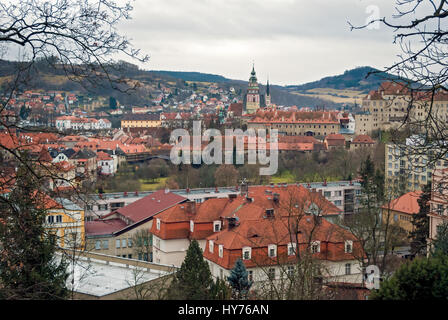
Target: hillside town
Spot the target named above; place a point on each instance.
(121, 181)
(246, 221)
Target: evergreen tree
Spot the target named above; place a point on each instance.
(440, 244)
(113, 103)
(193, 281)
(419, 279)
(420, 223)
(239, 281)
(29, 268)
(220, 290)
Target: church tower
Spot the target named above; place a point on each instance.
(253, 94)
(268, 95)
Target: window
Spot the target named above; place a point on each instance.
(272, 250)
(221, 273)
(216, 226)
(50, 219)
(98, 244)
(123, 243)
(348, 246)
(117, 243)
(315, 247)
(247, 251)
(129, 256)
(291, 249)
(290, 270)
(105, 244)
(395, 217)
(221, 250)
(129, 243)
(348, 268)
(338, 193)
(271, 273)
(145, 257)
(58, 218)
(250, 275)
(158, 224)
(327, 194)
(191, 225)
(338, 202)
(210, 246)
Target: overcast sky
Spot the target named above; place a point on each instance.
(292, 41)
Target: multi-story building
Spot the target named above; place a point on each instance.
(400, 211)
(411, 163)
(65, 219)
(439, 202)
(114, 233)
(394, 103)
(298, 123)
(253, 225)
(148, 120)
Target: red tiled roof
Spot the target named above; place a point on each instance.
(363, 139)
(407, 203)
(103, 227)
(150, 205)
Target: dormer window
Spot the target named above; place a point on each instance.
(158, 224)
(221, 250)
(272, 250)
(216, 226)
(247, 253)
(191, 225)
(210, 246)
(348, 246)
(315, 247)
(291, 249)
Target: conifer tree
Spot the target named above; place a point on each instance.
(239, 281)
(419, 279)
(420, 223)
(193, 281)
(440, 244)
(29, 268)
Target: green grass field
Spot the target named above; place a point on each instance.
(148, 186)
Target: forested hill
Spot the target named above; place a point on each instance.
(192, 76)
(354, 79)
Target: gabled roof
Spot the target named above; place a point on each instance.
(363, 139)
(103, 227)
(407, 203)
(150, 205)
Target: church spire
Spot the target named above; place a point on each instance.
(267, 87)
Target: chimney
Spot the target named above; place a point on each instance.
(190, 207)
(244, 188)
(232, 196)
(318, 220)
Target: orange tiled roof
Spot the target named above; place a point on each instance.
(407, 203)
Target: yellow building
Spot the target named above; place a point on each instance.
(65, 219)
(401, 210)
(148, 120)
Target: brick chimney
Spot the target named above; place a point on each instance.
(190, 207)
